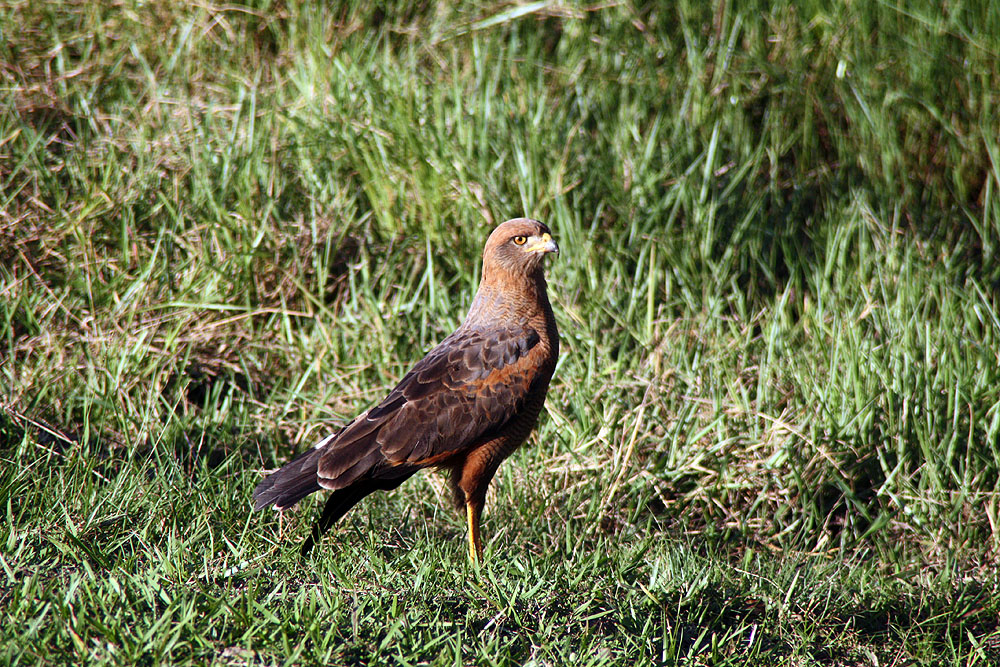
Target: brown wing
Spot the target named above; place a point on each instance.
(465, 388)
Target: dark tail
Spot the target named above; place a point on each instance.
(296, 480)
(287, 486)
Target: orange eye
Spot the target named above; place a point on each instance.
(520, 240)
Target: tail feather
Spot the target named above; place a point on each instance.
(287, 486)
(297, 479)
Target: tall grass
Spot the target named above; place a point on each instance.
(772, 437)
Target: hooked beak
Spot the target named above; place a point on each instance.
(543, 243)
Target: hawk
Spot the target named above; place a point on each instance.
(463, 408)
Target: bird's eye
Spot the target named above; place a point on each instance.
(520, 240)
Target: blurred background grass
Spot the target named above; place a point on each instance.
(772, 437)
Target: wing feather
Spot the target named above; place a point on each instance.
(466, 387)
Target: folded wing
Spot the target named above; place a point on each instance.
(464, 390)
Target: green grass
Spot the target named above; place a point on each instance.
(773, 437)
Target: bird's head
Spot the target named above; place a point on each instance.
(518, 247)
(513, 283)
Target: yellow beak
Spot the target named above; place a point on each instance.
(543, 243)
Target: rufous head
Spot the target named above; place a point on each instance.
(518, 246)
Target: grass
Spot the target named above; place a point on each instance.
(772, 438)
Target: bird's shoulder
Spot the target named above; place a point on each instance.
(469, 384)
(467, 359)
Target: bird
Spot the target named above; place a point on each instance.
(462, 409)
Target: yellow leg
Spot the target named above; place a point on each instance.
(475, 542)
